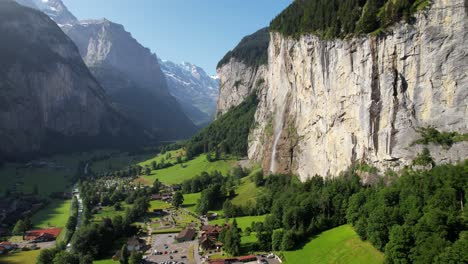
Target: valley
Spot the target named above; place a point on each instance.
(335, 132)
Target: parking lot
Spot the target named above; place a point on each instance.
(164, 248)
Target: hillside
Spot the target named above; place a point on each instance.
(50, 101)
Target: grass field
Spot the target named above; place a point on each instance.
(190, 201)
(242, 222)
(170, 156)
(338, 245)
(178, 173)
(54, 215)
(247, 192)
(55, 177)
(109, 212)
(158, 205)
(105, 261)
(23, 257)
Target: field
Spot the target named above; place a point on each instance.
(338, 245)
(109, 212)
(178, 173)
(247, 192)
(54, 176)
(190, 201)
(105, 261)
(170, 156)
(54, 215)
(242, 222)
(23, 257)
(158, 205)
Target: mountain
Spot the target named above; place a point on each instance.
(132, 77)
(49, 99)
(332, 96)
(55, 9)
(195, 90)
(129, 73)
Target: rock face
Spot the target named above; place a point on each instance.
(48, 97)
(329, 104)
(239, 73)
(195, 90)
(237, 81)
(132, 76)
(55, 9)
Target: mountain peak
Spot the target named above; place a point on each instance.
(55, 9)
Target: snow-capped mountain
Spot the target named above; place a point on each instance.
(55, 9)
(196, 91)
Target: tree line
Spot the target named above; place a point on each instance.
(341, 18)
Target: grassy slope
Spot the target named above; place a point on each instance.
(247, 191)
(177, 174)
(109, 212)
(158, 205)
(54, 215)
(117, 161)
(190, 201)
(23, 257)
(338, 245)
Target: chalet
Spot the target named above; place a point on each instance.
(155, 197)
(43, 235)
(135, 244)
(8, 246)
(209, 243)
(188, 234)
(245, 259)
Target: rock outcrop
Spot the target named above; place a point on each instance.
(48, 98)
(328, 104)
(242, 73)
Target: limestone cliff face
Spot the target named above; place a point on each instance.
(47, 94)
(237, 81)
(329, 104)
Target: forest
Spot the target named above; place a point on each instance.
(228, 134)
(341, 18)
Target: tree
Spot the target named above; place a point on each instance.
(35, 189)
(47, 256)
(277, 239)
(178, 199)
(147, 171)
(64, 257)
(157, 186)
(135, 258)
(288, 241)
(398, 248)
(124, 255)
(368, 21)
(229, 209)
(231, 239)
(154, 165)
(20, 228)
(259, 179)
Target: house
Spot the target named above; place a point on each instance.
(156, 197)
(188, 234)
(209, 243)
(43, 235)
(135, 244)
(8, 246)
(245, 259)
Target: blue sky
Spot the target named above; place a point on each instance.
(197, 31)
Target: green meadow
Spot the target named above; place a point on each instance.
(180, 172)
(338, 245)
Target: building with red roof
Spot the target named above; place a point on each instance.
(42, 235)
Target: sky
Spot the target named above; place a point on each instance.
(196, 31)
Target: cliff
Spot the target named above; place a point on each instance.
(48, 98)
(329, 104)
